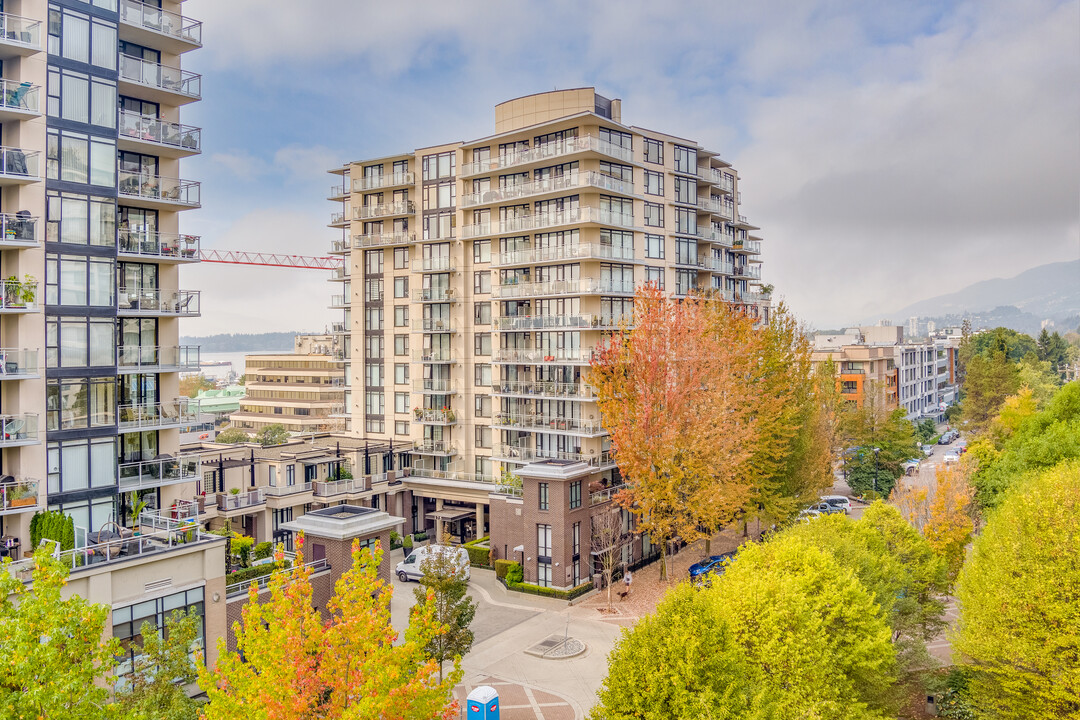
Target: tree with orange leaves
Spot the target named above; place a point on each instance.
(950, 522)
(673, 395)
(293, 664)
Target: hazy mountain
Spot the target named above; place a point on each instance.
(1046, 292)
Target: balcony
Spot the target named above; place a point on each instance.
(339, 220)
(158, 83)
(436, 294)
(381, 182)
(162, 247)
(384, 239)
(606, 495)
(365, 212)
(241, 501)
(529, 323)
(339, 302)
(547, 152)
(514, 453)
(19, 167)
(713, 207)
(19, 430)
(434, 447)
(156, 192)
(144, 359)
(152, 135)
(337, 193)
(19, 101)
(566, 183)
(275, 491)
(18, 230)
(340, 274)
(433, 264)
(558, 253)
(157, 416)
(541, 221)
(431, 386)
(528, 388)
(452, 476)
(748, 246)
(332, 488)
(433, 355)
(18, 496)
(19, 36)
(717, 238)
(586, 286)
(19, 364)
(531, 356)
(153, 27)
(139, 302)
(18, 296)
(340, 247)
(431, 416)
(748, 271)
(553, 423)
(431, 325)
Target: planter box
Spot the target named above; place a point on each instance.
(24, 502)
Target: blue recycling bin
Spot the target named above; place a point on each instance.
(482, 704)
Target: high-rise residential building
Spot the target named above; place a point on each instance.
(91, 246)
(479, 277)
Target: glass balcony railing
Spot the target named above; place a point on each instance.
(160, 245)
(531, 356)
(17, 363)
(154, 18)
(20, 31)
(141, 358)
(434, 386)
(384, 239)
(434, 447)
(18, 429)
(18, 295)
(548, 151)
(18, 229)
(18, 496)
(584, 251)
(571, 181)
(545, 389)
(433, 264)
(331, 488)
(285, 490)
(516, 453)
(432, 416)
(539, 421)
(158, 472)
(585, 286)
(540, 221)
(155, 187)
(157, 302)
(433, 355)
(433, 325)
(21, 97)
(151, 129)
(404, 207)
(163, 77)
(362, 184)
(19, 163)
(436, 294)
(148, 416)
(528, 323)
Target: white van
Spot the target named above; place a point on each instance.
(409, 568)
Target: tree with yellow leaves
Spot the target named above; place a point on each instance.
(950, 519)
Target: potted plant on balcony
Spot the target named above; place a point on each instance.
(22, 496)
(18, 293)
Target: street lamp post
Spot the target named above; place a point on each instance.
(876, 451)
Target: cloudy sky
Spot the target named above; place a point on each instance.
(890, 151)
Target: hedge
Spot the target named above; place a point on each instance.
(478, 556)
(52, 525)
(251, 573)
(514, 574)
(530, 589)
(501, 566)
(263, 550)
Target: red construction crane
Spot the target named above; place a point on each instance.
(305, 262)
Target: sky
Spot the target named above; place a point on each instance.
(889, 151)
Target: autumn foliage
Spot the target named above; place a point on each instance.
(294, 664)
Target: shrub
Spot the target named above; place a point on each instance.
(241, 547)
(478, 556)
(408, 542)
(263, 550)
(502, 566)
(420, 536)
(251, 573)
(514, 574)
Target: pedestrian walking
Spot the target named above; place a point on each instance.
(627, 579)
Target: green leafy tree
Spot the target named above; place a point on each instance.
(190, 385)
(444, 580)
(1019, 593)
(786, 632)
(990, 379)
(272, 435)
(52, 648)
(875, 425)
(1015, 345)
(925, 431)
(1039, 377)
(232, 435)
(155, 690)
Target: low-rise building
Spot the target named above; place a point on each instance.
(303, 390)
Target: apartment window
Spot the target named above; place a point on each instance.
(401, 315)
(374, 402)
(654, 151)
(482, 465)
(401, 402)
(80, 342)
(73, 36)
(685, 221)
(79, 158)
(617, 171)
(373, 290)
(654, 183)
(685, 251)
(617, 138)
(374, 425)
(438, 225)
(542, 494)
(373, 346)
(482, 374)
(575, 538)
(78, 280)
(70, 405)
(481, 251)
(401, 287)
(654, 247)
(621, 243)
(482, 343)
(685, 281)
(849, 387)
(401, 427)
(401, 344)
(614, 310)
(482, 435)
(440, 196)
(401, 258)
(127, 624)
(482, 313)
(655, 275)
(575, 494)
(623, 207)
(543, 552)
(685, 160)
(482, 405)
(439, 166)
(401, 373)
(373, 317)
(81, 98)
(482, 281)
(373, 262)
(654, 214)
(81, 219)
(81, 465)
(373, 374)
(685, 190)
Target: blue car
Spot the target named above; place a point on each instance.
(712, 565)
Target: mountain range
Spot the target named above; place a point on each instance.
(1047, 292)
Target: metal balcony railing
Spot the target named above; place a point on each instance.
(284, 490)
(331, 488)
(18, 229)
(571, 181)
(362, 184)
(167, 23)
(155, 187)
(434, 447)
(545, 389)
(548, 151)
(157, 302)
(432, 325)
(433, 264)
(16, 363)
(539, 421)
(405, 207)
(149, 416)
(384, 239)
(19, 163)
(21, 31)
(18, 496)
(159, 472)
(431, 415)
(532, 356)
(556, 253)
(23, 97)
(434, 386)
(435, 294)
(18, 295)
(540, 221)
(141, 358)
(240, 501)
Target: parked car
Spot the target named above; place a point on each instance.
(807, 515)
(928, 450)
(961, 445)
(712, 565)
(951, 457)
(409, 568)
(948, 436)
(838, 501)
(824, 508)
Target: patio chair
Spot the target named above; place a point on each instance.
(13, 429)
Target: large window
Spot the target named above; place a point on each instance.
(542, 496)
(80, 219)
(81, 98)
(83, 403)
(654, 214)
(575, 494)
(128, 624)
(685, 160)
(73, 342)
(79, 281)
(654, 247)
(654, 183)
(685, 190)
(81, 465)
(439, 166)
(79, 158)
(617, 138)
(654, 151)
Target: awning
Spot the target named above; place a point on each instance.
(451, 514)
(320, 459)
